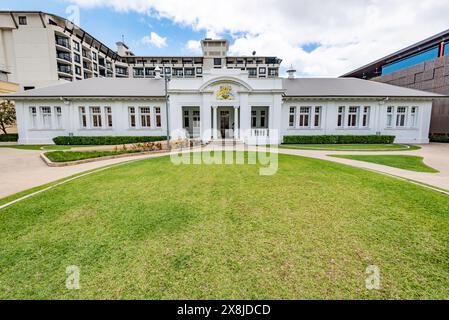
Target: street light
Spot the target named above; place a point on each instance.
(167, 79)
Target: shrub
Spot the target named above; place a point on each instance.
(10, 137)
(98, 141)
(439, 138)
(339, 139)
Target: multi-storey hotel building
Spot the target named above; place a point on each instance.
(39, 49)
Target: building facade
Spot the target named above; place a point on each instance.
(38, 49)
(422, 66)
(223, 104)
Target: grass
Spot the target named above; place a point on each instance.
(67, 156)
(352, 147)
(151, 229)
(412, 163)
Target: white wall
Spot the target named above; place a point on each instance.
(72, 121)
(377, 119)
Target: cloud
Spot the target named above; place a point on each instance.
(155, 40)
(349, 33)
(194, 46)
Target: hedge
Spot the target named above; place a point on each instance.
(99, 141)
(10, 137)
(339, 139)
(439, 138)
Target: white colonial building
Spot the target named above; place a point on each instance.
(223, 104)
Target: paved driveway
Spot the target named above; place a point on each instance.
(23, 169)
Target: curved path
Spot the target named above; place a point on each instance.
(23, 169)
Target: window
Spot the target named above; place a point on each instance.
(158, 117)
(199, 70)
(254, 119)
(317, 117)
(46, 117)
(178, 72)
(76, 45)
(291, 117)
(353, 116)
(189, 72)
(33, 116)
(138, 72)
(272, 72)
(83, 117)
(96, 117)
(132, 117)
(23, 20)
(401, 116)
(186, 119)
(252, 72)
(95, 67)
(341, 116)
(304, 116)
(78, 70)
(262, 70)
(167, 70)
(58, 112)
(145, 117)
(108, 117)
(217, 61)
(77, 57)
(390, 111)
(413, 117)
(94, 55)
(365, 117)
(263, 117)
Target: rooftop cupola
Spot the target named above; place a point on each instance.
(291, 72)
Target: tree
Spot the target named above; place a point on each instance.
(7, 114)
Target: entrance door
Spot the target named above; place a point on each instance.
(225, 123)
(192, 121)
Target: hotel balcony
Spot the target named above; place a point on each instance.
(65, 69)
(64, 56)
(62, 43)
(119, 72)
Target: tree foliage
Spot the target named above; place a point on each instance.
(7, 114)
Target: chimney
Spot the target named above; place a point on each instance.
(291, 72)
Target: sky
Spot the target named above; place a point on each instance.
(319, 38)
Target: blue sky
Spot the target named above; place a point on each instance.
(112, 25)
(319, 38)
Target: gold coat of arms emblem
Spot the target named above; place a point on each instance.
(225, 93)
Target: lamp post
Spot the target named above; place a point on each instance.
(167, 79)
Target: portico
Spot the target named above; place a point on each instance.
(230, 104)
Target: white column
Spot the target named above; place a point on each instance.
(206, 118)
(215, 124)
(245, 117)
(236, 123)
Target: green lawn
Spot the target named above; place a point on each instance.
(150, 229)
(67, 156)
(412, 163)
(351, 147)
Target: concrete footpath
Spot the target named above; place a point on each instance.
(23, 169)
